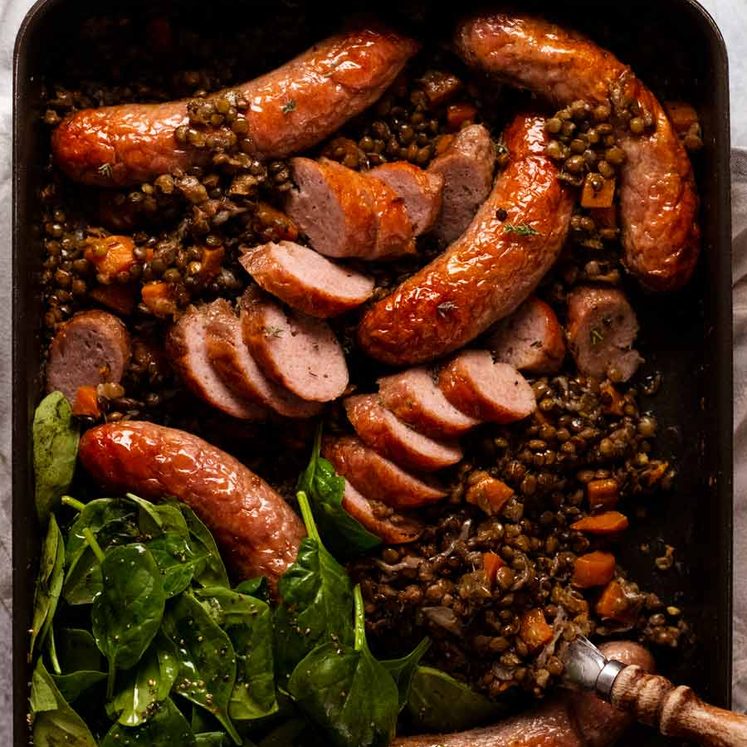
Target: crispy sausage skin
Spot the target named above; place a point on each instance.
(290, 109)
(658, 199)
(489, 270)
(257, 531)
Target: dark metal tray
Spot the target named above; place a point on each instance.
(676, 48)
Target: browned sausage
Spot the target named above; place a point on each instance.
(565, 720)
(489, 270)
(658, 200)
(256, 530)
(92, 348)
(290, 109)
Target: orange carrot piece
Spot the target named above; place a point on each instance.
(489, 493)
(118, 297)
(534, 630)
(211, 261)
(460, 114)
(439, 87)
(603, 494)
(609, 522)
(593, 569)
(615, 604)
(86, 402)
(682, 116)
(602, 198)
(491, 563)
(275, 224)
(159, 299)
(110, 255)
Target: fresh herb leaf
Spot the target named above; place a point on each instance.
(55, 439)
(207, 662)
(520, 229)
(54, 722)
(166, 728)
(403, 670)
(343, 535)
(317, 600)
(289, 106)
(48, 585)
(213, 572)
(73, 684)
(444, 308)
(271, 331)
(596, 336)
(106, 170)
(347, 692)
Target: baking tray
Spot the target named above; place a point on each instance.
(677, 49)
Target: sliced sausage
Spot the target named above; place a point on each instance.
(376, 477)
(414, 397)
(289, 110)
(466, 167)
(92, 348)
(391, 527)
(602, 328)
(297, 351)
(380, 429)
(256, 530)
(395, 235)
(420, 189)
(568, 719)
(531, 339)
(658, 198)
(486, 273)
(234, 364)
(305, 280)
(186, 347)
(483, 389)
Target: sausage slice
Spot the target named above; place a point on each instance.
(466, 167)
(378, 428)
(305, 280)
(92, 348)
(234, 364)
(377, 477)
(297, 351)
(482, 389)
(187, 348)
(602, 328)
(531, 339)
(420, 189)
(414, 397)
(391, 527)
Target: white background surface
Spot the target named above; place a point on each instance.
(731, 15)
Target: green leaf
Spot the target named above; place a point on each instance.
(207, 662)
(248, 622)
(317, 600)
(211, 739)
(54, 722)
(343, 535)
(177, 561)
(347, 692)
(439, 703)
(55, 438)
(213, 572)
(403, 670)
(73, 684)
(255, 587)
(127, 613)
(48, 584)
(77, 651)
(166, 728)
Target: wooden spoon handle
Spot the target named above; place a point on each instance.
(676, 711)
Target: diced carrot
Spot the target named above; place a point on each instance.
(110, 255)
(597, 198)
(593, 569)
(460, 114)
(610, 522)
(158, 297)
(489, 493)
(603, 494)
(682, 116)
(615, 604)
(439, 87)
(118, 297)
(612, 400)
(86, 402)
(534, 630)
(491, 563)
(275, 224)
(211, 261)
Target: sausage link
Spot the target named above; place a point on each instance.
(489, 270)
(658, 198)
(257, 531)
(290, 109)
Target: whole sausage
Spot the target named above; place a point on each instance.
(658, 199)
(257, 531)
(566, 720)
(290, 109)
(489, 270)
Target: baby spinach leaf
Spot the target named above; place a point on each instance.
(166, 728)
(343, 535)
(248, 622)
(207, 662)
(73, 684)
(54, 722)
(347, 692)
(212, 572)
(127, 613)
(55, 439)
(255, 587)
(440, 703)
(211, 739)
(317, 599)
(48, 584)
(403, 670)
(77, 651)
(176, 560)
